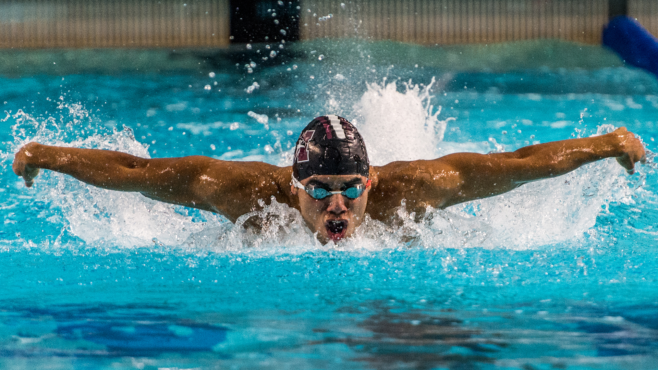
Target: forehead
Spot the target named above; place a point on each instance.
(334, 179)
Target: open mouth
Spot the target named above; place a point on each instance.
(336, 229)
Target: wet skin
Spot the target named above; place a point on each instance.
(236, 188)
(323, 215)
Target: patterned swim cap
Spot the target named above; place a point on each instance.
(330, 145)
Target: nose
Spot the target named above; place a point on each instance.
(337, 204)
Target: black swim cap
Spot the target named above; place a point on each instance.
(330, 145)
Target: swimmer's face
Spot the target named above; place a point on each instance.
(336, 216)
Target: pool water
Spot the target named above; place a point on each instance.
(556, 274)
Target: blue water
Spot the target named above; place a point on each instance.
(557, 274)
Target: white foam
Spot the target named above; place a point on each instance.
(399, 125)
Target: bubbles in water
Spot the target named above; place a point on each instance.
(325, 18)
(207, 87)
(272, 54)
(320, 57)
(280, 3)
(249, 46)
(253, 87)
(211, 74)
(261, 118)
(283, 32)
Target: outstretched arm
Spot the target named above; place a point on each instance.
(229, 188)
(462, 177)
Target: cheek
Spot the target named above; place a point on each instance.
(310, 208)
(359, 206)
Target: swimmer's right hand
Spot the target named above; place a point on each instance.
(630, 149)
(21, 165)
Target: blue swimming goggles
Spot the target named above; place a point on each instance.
(352, 192)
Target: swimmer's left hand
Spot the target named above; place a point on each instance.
(630, 147)
(21, 164)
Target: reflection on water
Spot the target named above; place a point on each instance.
(394, 340)
(528, 338)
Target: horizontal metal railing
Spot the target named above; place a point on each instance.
(455, 21)
(115, 23)
(206, 23)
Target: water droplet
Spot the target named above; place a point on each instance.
(280, 46)
(283, 32)
(280, 3)
(213, 147)
(249, 70)
(320, 57)
(249, 46)
(267, 47)
(276, 21)
(272, 54)
(342, 5)
(294, 66)
(252, 64)
(207, 87)
(211, 74)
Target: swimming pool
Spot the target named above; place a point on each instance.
(557, 274)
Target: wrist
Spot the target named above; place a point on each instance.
(31, 153)
(614, 145)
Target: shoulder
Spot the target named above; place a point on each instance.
(418, 184)
(415, 174)
(248, 180)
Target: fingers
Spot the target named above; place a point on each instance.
(632, 149)
(29, 174)
(22, 169)
(626, 162)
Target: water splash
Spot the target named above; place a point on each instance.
(400, 126)
(535, 215)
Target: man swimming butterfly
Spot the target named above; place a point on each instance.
(330, 182)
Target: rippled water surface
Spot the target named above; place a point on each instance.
(556, 274)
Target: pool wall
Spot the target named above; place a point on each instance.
(209, 23)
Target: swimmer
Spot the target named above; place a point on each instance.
(330, 182)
